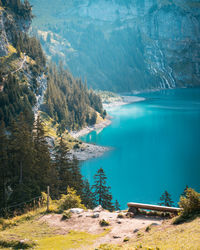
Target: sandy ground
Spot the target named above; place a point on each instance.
(119, 228)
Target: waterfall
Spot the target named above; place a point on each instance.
(42, 80)
(160, 68)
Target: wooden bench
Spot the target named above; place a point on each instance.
(133, 207)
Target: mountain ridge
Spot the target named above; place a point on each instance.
(124, 46)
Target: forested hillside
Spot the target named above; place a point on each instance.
(69, 102)
(28, 85)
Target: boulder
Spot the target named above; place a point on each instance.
(130, 215)
(95, 215)
(98, 209)
(76, 210)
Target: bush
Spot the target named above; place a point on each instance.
(44, 198)
(66, 215)
(190, 204)
(71, 200)
(104, 223)
(126, 239)
(120, 216)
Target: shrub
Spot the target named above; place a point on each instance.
(66, 215)
(71, 200)
(104, 223)
(44, 198)
(120, 216)
(190, 204)
(126, 239)
(14, 244)
(148, 228)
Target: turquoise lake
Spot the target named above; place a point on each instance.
(155, 147)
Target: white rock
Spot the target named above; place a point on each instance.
(98, 209)
(95, 215)
(76, 210)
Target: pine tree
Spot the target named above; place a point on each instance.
(87, 196)
(62, 166)
(21, 157)
(117, 206)
(185, 191)
(166, 200)
(42, 157)
(76, 180)
(102, 191)
(3, 165)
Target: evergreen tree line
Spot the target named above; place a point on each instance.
(14, 99)
(27, 168)
(69, 102)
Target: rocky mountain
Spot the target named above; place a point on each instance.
(28, 84)
(123, 45)
(22, 63)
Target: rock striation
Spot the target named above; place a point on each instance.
(125, 45)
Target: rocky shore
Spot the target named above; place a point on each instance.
(88, 129)
(88, 150)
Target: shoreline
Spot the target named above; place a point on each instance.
(125, 100)
(98, 126)
(107, 121)
(89, 150)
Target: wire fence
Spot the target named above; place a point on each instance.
(19, 208)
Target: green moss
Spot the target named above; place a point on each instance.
(72, 240)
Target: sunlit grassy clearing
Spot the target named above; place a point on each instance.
(72, 240)
(176, 237)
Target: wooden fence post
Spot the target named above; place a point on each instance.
(47, 198)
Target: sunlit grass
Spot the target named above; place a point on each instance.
(28, 231)
(71, 240)
(50, 128)
(11, 49)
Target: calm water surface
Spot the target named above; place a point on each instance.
(155, 147)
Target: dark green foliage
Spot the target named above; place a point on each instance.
(190, 203)
(25, 162)
(14, 244)
(166, 200)
(88, 197)
(3, 164)
(68, 172)
(102, 191)
(69, 102)
(66, 215)
(62, 166)
(104, 223)
(185, 191)
(117, 206)
(14, 99)
(26, 166)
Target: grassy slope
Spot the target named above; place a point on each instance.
(166, 236)
(28, 230)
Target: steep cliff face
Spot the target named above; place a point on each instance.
(124, 45)
(22, 79)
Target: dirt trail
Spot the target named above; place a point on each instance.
(119, 228)
(21, 66)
